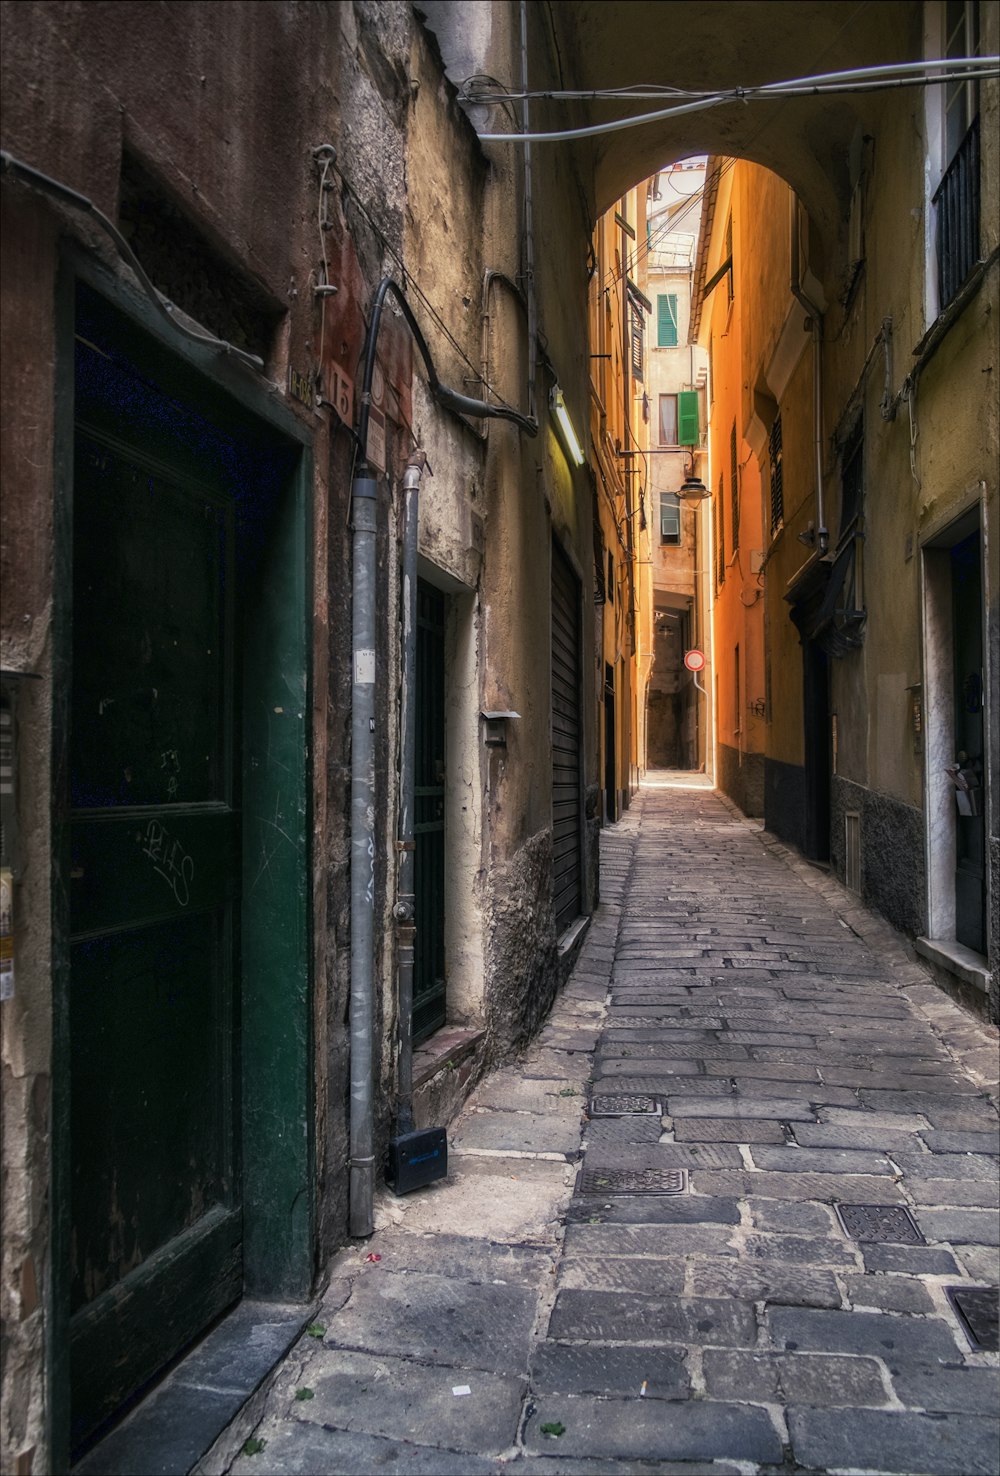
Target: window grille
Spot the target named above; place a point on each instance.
(957, 202)
(734, 487)
(777, 489)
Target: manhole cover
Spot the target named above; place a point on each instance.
(979, 1309)
(632, 1181)
(880, 1222)
(622, 1105)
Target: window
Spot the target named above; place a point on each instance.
(670, 518)
(668, 420)
(777, 489)
(637, 334)
(720, 537)
(666, 320)
(734, 488)
(956, 199)
(851, 486)
(611, 578)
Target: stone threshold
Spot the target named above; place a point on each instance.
(964, 963)
(446, 1047)
(181, 1419)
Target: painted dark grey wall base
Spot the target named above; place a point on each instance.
(893, 870)
(785, 801)
(742, 781)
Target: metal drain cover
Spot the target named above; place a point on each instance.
(632, 1181)
(888, 1223)
(622, 1105)
(978, 1308)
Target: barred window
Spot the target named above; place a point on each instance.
(777, 489)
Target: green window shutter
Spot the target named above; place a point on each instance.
(687, 418)
(666, 320)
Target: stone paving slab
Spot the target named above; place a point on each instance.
(796, 1286)
(807, 1378)
(298, 1448)
(476, 1325)
(653, 1430)
(531, 1132)
(956, 1445)
(406, 1400)
(622, 1317)
(597, 1368)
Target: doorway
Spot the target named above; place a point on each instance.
(610, 766)
(816, 704)
(967, 697)
(429, 988)
(955, 663)
(183, 1131)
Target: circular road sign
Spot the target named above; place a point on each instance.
(694, 660)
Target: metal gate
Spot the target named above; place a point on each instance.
(566, 868)
(429, 1004)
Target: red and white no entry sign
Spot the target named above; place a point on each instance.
(694, 660)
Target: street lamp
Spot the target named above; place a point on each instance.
(692, 489)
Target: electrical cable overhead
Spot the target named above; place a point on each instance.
(857, 79)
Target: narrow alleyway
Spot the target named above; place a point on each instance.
(774, 1044)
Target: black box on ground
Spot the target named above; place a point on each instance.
(416, 1159)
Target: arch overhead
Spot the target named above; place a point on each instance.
(714, 47)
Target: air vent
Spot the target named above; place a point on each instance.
(852, 851)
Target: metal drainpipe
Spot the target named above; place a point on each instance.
(816, 324)
(362, 1182)
(529, 224)
(404, 911)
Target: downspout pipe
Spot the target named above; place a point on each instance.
(816, 325)
(364, 490)
(529, 225)
(362, 1127)
(404, 912)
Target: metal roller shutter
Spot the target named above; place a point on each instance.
(566, 776)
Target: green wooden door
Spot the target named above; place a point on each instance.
(429, 1002)
(154, 839)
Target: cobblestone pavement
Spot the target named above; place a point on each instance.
(544, 1311)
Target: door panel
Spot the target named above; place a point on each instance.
(970, 837)
(154, 845)
(429, 992)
